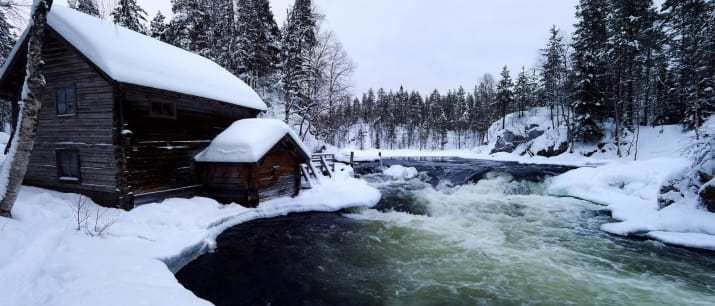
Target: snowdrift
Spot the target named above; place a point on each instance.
(45, 260)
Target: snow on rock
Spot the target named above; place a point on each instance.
(45, 261)
(401, 172)
(630, 190)
(529, 133)
(133, 58)
(247, 141)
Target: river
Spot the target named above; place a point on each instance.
(464, 232)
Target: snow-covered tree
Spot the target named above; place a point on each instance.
(505, 94)
(554, 73)
(130, 15)
(299, 41)
(590, 44)
(523, 92)
(222, 29)
(630, 25)
(88, 7)
(190, 29)
(486, 97)
(7, 39)
(258, 42)
(158, 27)
(688, 22)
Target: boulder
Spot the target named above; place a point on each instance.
(508, 142)
(554, 150)
(669, 194)
(534, 133)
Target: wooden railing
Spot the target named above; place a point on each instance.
(324, 162)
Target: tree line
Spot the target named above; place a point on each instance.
(628, 64)
(300, 68)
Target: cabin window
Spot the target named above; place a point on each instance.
(68, 169)
(166, 110)
(66, 101)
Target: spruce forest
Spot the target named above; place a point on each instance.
(628, 64)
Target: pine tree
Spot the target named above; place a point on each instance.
(7, 39)
(590, 44)
(554, 73)
(630, 25)
(222, 29)
(88, 7)
(505, 94)
(709, 107)
(158, 27)
(487, 99)
(688, 22)
(190, 29)
(299, 40)
(522, 92)
(130, 15)
(258, 43)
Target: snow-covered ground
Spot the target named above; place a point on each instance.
(128, 258)
(630, 191)
(629, 186)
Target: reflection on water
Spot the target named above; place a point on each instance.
(499, 241)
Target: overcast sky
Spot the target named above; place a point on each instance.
(427, 44)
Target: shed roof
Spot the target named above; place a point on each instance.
(133, 58)
(248, 141)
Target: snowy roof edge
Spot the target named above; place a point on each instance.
(248, 97)
(251, 156)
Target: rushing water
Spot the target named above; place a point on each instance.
(442, 239)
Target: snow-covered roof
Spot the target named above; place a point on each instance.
(247, 141)
(132, 58)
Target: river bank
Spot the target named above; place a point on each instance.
(123, 258)
(653, 189)
(433, 240)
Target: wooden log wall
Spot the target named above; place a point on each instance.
(89, 131)
(276, 175)
(160, 151)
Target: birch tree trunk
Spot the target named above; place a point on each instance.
(14, 167)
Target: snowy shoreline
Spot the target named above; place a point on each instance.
(628, 189)
(628, 184)
(45, 260)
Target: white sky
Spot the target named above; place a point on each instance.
(427, 44)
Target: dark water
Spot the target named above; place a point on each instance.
(442, 239)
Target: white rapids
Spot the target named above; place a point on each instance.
(502, 241)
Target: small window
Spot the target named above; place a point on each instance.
(68, 168)
(165, 110)
(66, 101)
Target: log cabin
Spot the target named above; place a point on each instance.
(252, 161)
(123, 115)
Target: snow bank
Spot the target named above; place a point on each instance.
(247, 141)
(476, 153)
(629, 186)
(133, 58)
(534, 127)
(630, 191)
(45, 261)
(401, 172)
